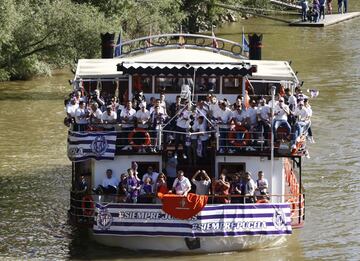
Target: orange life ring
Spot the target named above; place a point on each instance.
(262, 201)
(292, 205)
(237, 142)
(88, 206)
(146, 137)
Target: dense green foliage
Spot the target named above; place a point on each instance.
(38, 35)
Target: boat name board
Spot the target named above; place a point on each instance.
(213, 220)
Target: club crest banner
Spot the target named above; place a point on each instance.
(90, 145)
(213, 220)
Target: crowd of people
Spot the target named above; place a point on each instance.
(237, 188)
(313, 12)
(192, 125)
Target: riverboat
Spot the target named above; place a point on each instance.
(189, 67)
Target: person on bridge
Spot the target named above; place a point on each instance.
(322, 8)
(304, 10)
(329, 6)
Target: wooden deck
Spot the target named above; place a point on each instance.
(329, 20)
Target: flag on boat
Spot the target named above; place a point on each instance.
(183, 207)
(213, 220)
(214, 42)
(91, 145)
(245, 44)
(118, 46)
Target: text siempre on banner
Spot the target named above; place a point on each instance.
(216, 220)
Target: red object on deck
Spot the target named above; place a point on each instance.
(183, 207)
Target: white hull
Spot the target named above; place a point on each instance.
(177, 244)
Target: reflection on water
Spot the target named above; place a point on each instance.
(35, 173)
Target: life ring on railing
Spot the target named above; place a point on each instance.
(88, 206)
(262, 201)
(292, 206)
(239, 142)
(144, 140)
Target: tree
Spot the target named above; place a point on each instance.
(42, 35)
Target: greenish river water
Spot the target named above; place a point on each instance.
(35, 173)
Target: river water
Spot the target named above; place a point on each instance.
(35, 173)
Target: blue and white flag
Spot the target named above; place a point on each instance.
(245, 44)
(118, 46)
(91, 145)
(214, 220)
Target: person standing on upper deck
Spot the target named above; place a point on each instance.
(127, 117)
(108, 118)
(281, 113)
(223, 118)
(302, 121)
(182, 126)
(263, 117)
(81, 117)
(322, 8)
(142, 116)
(252, 118)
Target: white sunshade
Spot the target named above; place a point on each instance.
(107, 68)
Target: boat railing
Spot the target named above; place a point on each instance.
(180, 40)
(230, 141)
(83, 206)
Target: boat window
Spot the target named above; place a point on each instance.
(207, 84)
(232, 85)
(172, 84)
(142, 83)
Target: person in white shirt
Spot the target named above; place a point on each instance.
(109, 184)
(181, 185)
(127, 117)
(202, 185)
(252, 117)
(223, 117)
(95, 113)
(71, 108)
(199, 141)
(109, 118)
(263, 117)
(162, 108)
(81, 117)
(142, 116)
(182, 126)
(281, 113)
(262, 185)
(302, 119)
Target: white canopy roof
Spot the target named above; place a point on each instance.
(107, 68)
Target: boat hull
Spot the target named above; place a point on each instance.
(216, 228)
(191, 245)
